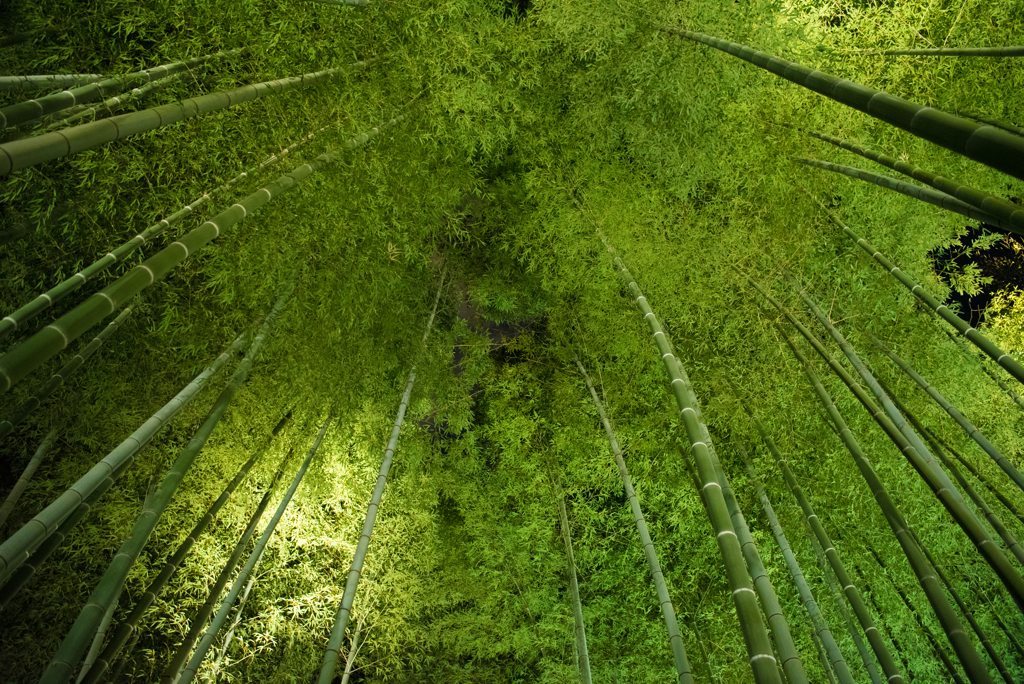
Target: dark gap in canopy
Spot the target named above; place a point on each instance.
(1000, 262)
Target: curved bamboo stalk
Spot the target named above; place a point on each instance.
(44, 81)
(15, 114)
(32, 352)
(26, 475)
(835, 661)
(60, 669)
(583, 659)
(954, 504)
(129, 628)
(759, 649)
(929, 195)
(198, 622)
(189, 673)
(1002, 209)
(20, 154)
(976, 670)
(1009, 364)
(966, 425)
(16, 549)
(684, 675)
(341, 618)
(982, 143)
(15, 319)
(58, 379)
(1004, 51)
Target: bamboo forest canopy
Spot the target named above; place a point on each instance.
(511, 341)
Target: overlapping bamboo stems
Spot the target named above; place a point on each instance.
(980, 360)
(976, 670)
(822, 660)
(341, 618)
(43, 81)
(353, 651)
(127, 629)
(869, 592)
(759, 650)
(937, 649)
(35, 350)
(15, 114)
(684, 675)
(16, 549)
(980, 118)
(20, 154)
(982, 143)
(835, 661)
(109, 106)
(929, 195)
(998, 207)
(974, 433)
(189, 673)
(109, 587)
(198, 622)
(953, 503)
(69, 285)
(26, 475)
(583, 657)
(1001, 358)
(850, 590)
(980, 477)
(58, 379)
(238, 619)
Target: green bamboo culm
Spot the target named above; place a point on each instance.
(835, 659)
(981, 118)
(17, 318)
(980, 361)
(129, 628)
(933, 476)
(929, 195)
(991, 146)
(189, 673)
(850, 590)
(198, 622)
(974, 433)
(111, 105)
(344, 612)
(759, 649)
(109, 587)
(1007, 212)
(881, 614)
(31, 353)
(46, 81)
(343, 3)
(937, 649)
(58, 379)
(583, 660)
(977, 672)
(1003, 51)
(980, 477)
(1008, 363)
(19, 113)
(17, 548)
(20, 154)
(684, 675)
(26, 475)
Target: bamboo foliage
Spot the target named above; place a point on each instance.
(583, 660)
(29, 354)
(15, 319)
(1003, 51)
(26, 475)
(189, 673)
(16, 549)
(58, 379)
(45, 81)
(934, 197)
(111, 105)
(980, 477)
(128, 629)
(21, 230)
(982, 143)
(20, 154)
(966, 425)
(1008, 363)
(1004, 210)
(684, 675)
(759, 650)
(109, 587)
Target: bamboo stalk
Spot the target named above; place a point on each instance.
(26, 475)
(1002, 51)
(980, 477)
(583, 659)
(43, 81)
(238, 620)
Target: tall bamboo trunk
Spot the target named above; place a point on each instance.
(991, 146)
(980, 477)
(341, 618)
(999, 51)
(46, 81)
(17, 548)
(71, 650)
(684, 675)
(237, 621)
(189, 673)
(583, 659)
(26, 475)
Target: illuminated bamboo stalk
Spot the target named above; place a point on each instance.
(234, 625)
(583, 658)
(26, 475)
